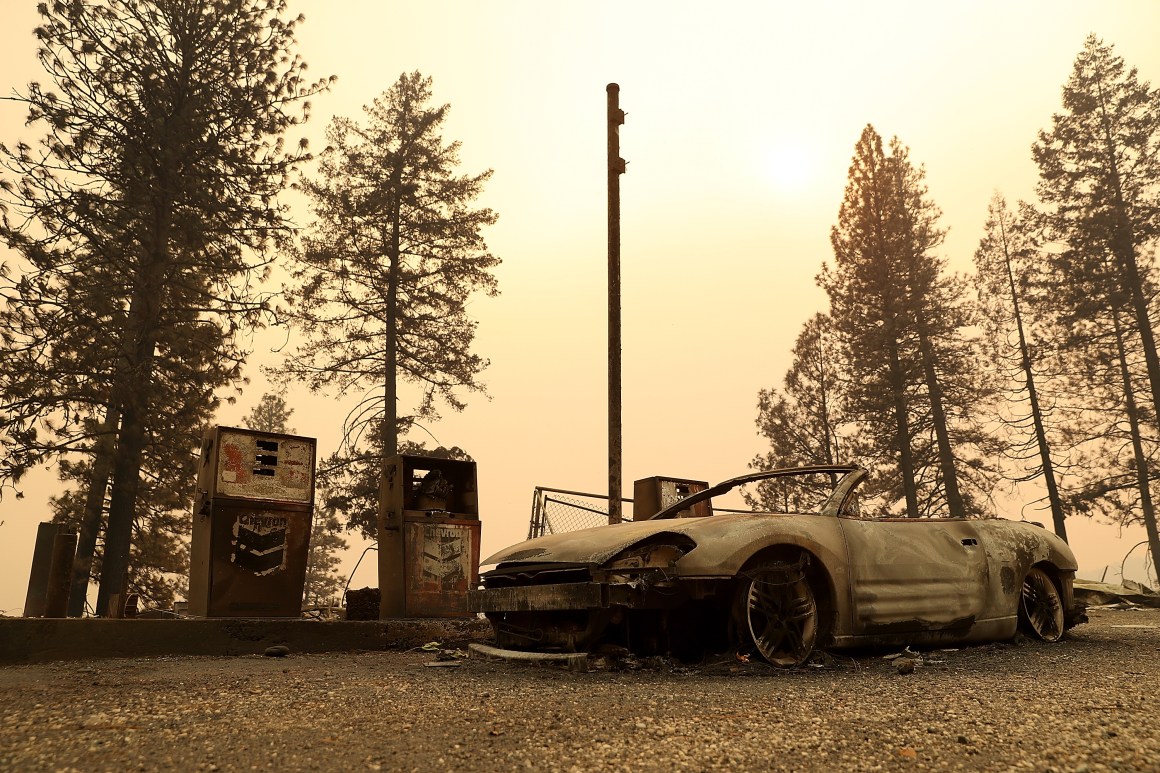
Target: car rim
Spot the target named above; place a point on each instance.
(782, 616)
(1042, 609)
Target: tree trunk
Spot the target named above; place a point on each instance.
(133, 391)
(392, 601)
(829, 437)
(1053, 498)
(127, 460)
(902, 429)
(391, 357)
(1140, 459)
(90, 526)
(1148, 343)
(938, 417)
(1124, 248)
(122, 507)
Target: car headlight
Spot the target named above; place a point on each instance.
(655, 559)
(661, 556)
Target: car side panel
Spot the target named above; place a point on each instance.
(915, 575)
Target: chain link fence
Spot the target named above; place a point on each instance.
(557, 510)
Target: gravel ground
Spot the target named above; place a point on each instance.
(1089, 703)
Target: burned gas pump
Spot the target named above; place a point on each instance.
(251, 524)
(428, 537)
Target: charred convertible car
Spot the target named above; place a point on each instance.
(687, 581)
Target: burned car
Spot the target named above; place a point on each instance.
(688, 580)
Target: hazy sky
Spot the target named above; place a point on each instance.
(742, 118)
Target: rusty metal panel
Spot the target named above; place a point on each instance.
(441, 564)
(256, 563)
(651, 495)
(431, 484)
(243, 464)
(429, 530)
(64, 551)
(38, 579)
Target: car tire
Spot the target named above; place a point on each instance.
(1040, 607)
(780, 614)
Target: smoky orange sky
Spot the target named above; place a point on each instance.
(742, 118)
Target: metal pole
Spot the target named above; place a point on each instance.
(616, 166)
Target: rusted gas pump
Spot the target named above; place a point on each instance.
(428, 537)
(651, 495)
(251, 524)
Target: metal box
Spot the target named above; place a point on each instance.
(651, 495)
(429, 534)
(251, 524)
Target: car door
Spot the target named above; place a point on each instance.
(914, 574)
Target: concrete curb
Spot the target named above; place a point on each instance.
(41, 640)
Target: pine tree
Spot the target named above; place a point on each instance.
(1005, 256)
(78, 385)
(868, 311)
(383, 278)
(1100, 190)
(802, 421)
(271, 414)
(159, 564)
(913, 381)
(156, 186)
(326, 544)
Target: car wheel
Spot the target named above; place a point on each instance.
(780, 613)
(1040, 608)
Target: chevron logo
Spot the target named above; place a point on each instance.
(259, 543)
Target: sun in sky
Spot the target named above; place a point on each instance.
(790, 166)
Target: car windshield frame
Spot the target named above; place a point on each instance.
(852, 477)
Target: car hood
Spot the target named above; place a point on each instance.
(723, 532)
(598, 544)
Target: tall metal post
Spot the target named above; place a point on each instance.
(616, 167)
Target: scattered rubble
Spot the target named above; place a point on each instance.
(363, 604)
(1103, 595)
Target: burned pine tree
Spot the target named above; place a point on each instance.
(384, 276)
(161, 167)
(1005, 263)
(914, 389)
(1099, 191)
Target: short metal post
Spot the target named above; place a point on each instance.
(64, 551)
(34, 600)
